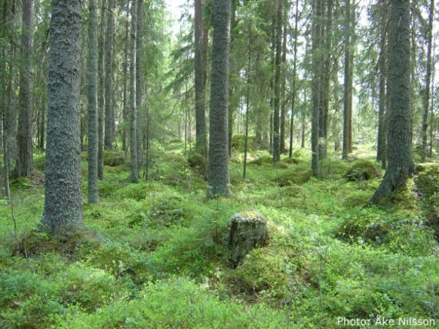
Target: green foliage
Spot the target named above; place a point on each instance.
(298, 175)
(154, 254)
(363, 170)
(177, 302)
(113, 158)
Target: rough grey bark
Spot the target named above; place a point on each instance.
(109, 119)
(218, 169)
(317, 68)
(133, 124)
(200, 98)
(24, 133)
(63, 197)
(93, 196)
(426, 94)
(139, 87)
(400, 161)
(101, 94)
(277, 84)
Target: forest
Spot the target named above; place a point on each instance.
(240, 164)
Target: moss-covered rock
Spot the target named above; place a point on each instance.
(363, 170)
(197, 161)
(266, 159)
(295, 176)
(113, 158)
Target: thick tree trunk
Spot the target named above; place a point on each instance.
(400, 161)
(109, 119)
(24, 135)
(101, 94)
(63, 195)
(426, 95)
(218, 170)
(200, 98)
(133, 125)
(93, 196)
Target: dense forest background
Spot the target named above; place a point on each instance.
(128, 141)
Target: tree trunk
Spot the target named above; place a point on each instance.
(63, 195)
(109, 120)
(200, 98)
(133, 126)
(139, 87)
(218, 169)
(316, 84)
(293, 98)
(400, 161)
(382, 67)
(125, 82)
(277, 84)
(282, 147)
(101, 94)
(93, 196)
(347, 118)
(24, 136)
(326, 77)
(426, 97)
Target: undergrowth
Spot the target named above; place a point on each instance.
(154, 254)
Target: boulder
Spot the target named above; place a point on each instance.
(248, 230)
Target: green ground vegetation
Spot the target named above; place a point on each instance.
(153, 254)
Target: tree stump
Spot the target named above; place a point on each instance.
(248, 230)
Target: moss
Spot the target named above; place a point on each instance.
(266, 159)
(291, 161)
(363, 170)
(296, 176)
(197, 161)
(113, 158)
(238, 143)
(262, 273)
(68, 244)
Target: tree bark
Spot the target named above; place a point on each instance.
(218, 169)
(133, 127)
(293, 98)
(101, 94)
(139, 85)
(347, 118)
(109, 119)
(277, 84)
(316, 84)
(400, 161)
(200, 97)
(63, 195)
(93, 196)
(24, 135)
(426, 98)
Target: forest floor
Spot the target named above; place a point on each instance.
(153, 254)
